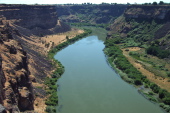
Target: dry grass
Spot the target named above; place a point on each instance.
(162, 82)
(39, 103)
(61, 37)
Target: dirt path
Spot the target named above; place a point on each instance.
(163, 83)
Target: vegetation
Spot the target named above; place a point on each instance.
(116, 56)
(135, 77)
(155, 3)
(89, 24)
(151, 36)
(143, 31)
(145, 34)
(52, 100)
(157, 51)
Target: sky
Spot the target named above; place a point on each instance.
(78, 1)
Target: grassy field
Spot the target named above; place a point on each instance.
(155, 69)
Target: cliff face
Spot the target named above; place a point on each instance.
(16, 89)
(41, 20)
(148, 12)
(23, 61)
(31, 16)
(104, 13)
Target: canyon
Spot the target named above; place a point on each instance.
(23, 52)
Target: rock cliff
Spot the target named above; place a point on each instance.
(148, 12)
(41, 20)
(91, 13)
(23, 61)
(16, 88)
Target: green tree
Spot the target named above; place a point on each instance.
(161, 3)
(154, 3)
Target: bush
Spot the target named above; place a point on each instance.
(122, 63)
(162, 93)
(50, 109)
(166, 100)
(138, 82)
(168, 74)
(155, 88)
(157, 51)
(116, 56)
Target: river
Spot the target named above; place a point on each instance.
(89, 85)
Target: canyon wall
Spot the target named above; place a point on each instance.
(23, 61)
(41, 20)
(144, 12)
(16, 88)
(146, 16)
(91, 13)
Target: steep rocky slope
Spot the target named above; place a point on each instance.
(17, 91)
(24, 65)
(148, 12)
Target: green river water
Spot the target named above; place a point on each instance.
(89, 85)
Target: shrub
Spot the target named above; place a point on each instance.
(138, 82)
(156, 51)
(168, 74)
(50, 109)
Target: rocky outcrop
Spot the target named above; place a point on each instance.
(16, 88)
(148, 12)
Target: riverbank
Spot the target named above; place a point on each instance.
(89, 85)
(53, 40)
(52, 100)
(130, 74)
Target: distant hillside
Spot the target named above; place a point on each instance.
(139, 45)
(144, 24)
(90, 13)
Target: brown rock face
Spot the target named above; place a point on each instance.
(2, 80)
(148, 12)
(40, 20)
(15, 86)
(22, 53)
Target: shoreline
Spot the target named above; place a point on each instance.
(125, 77)
(52, 100)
